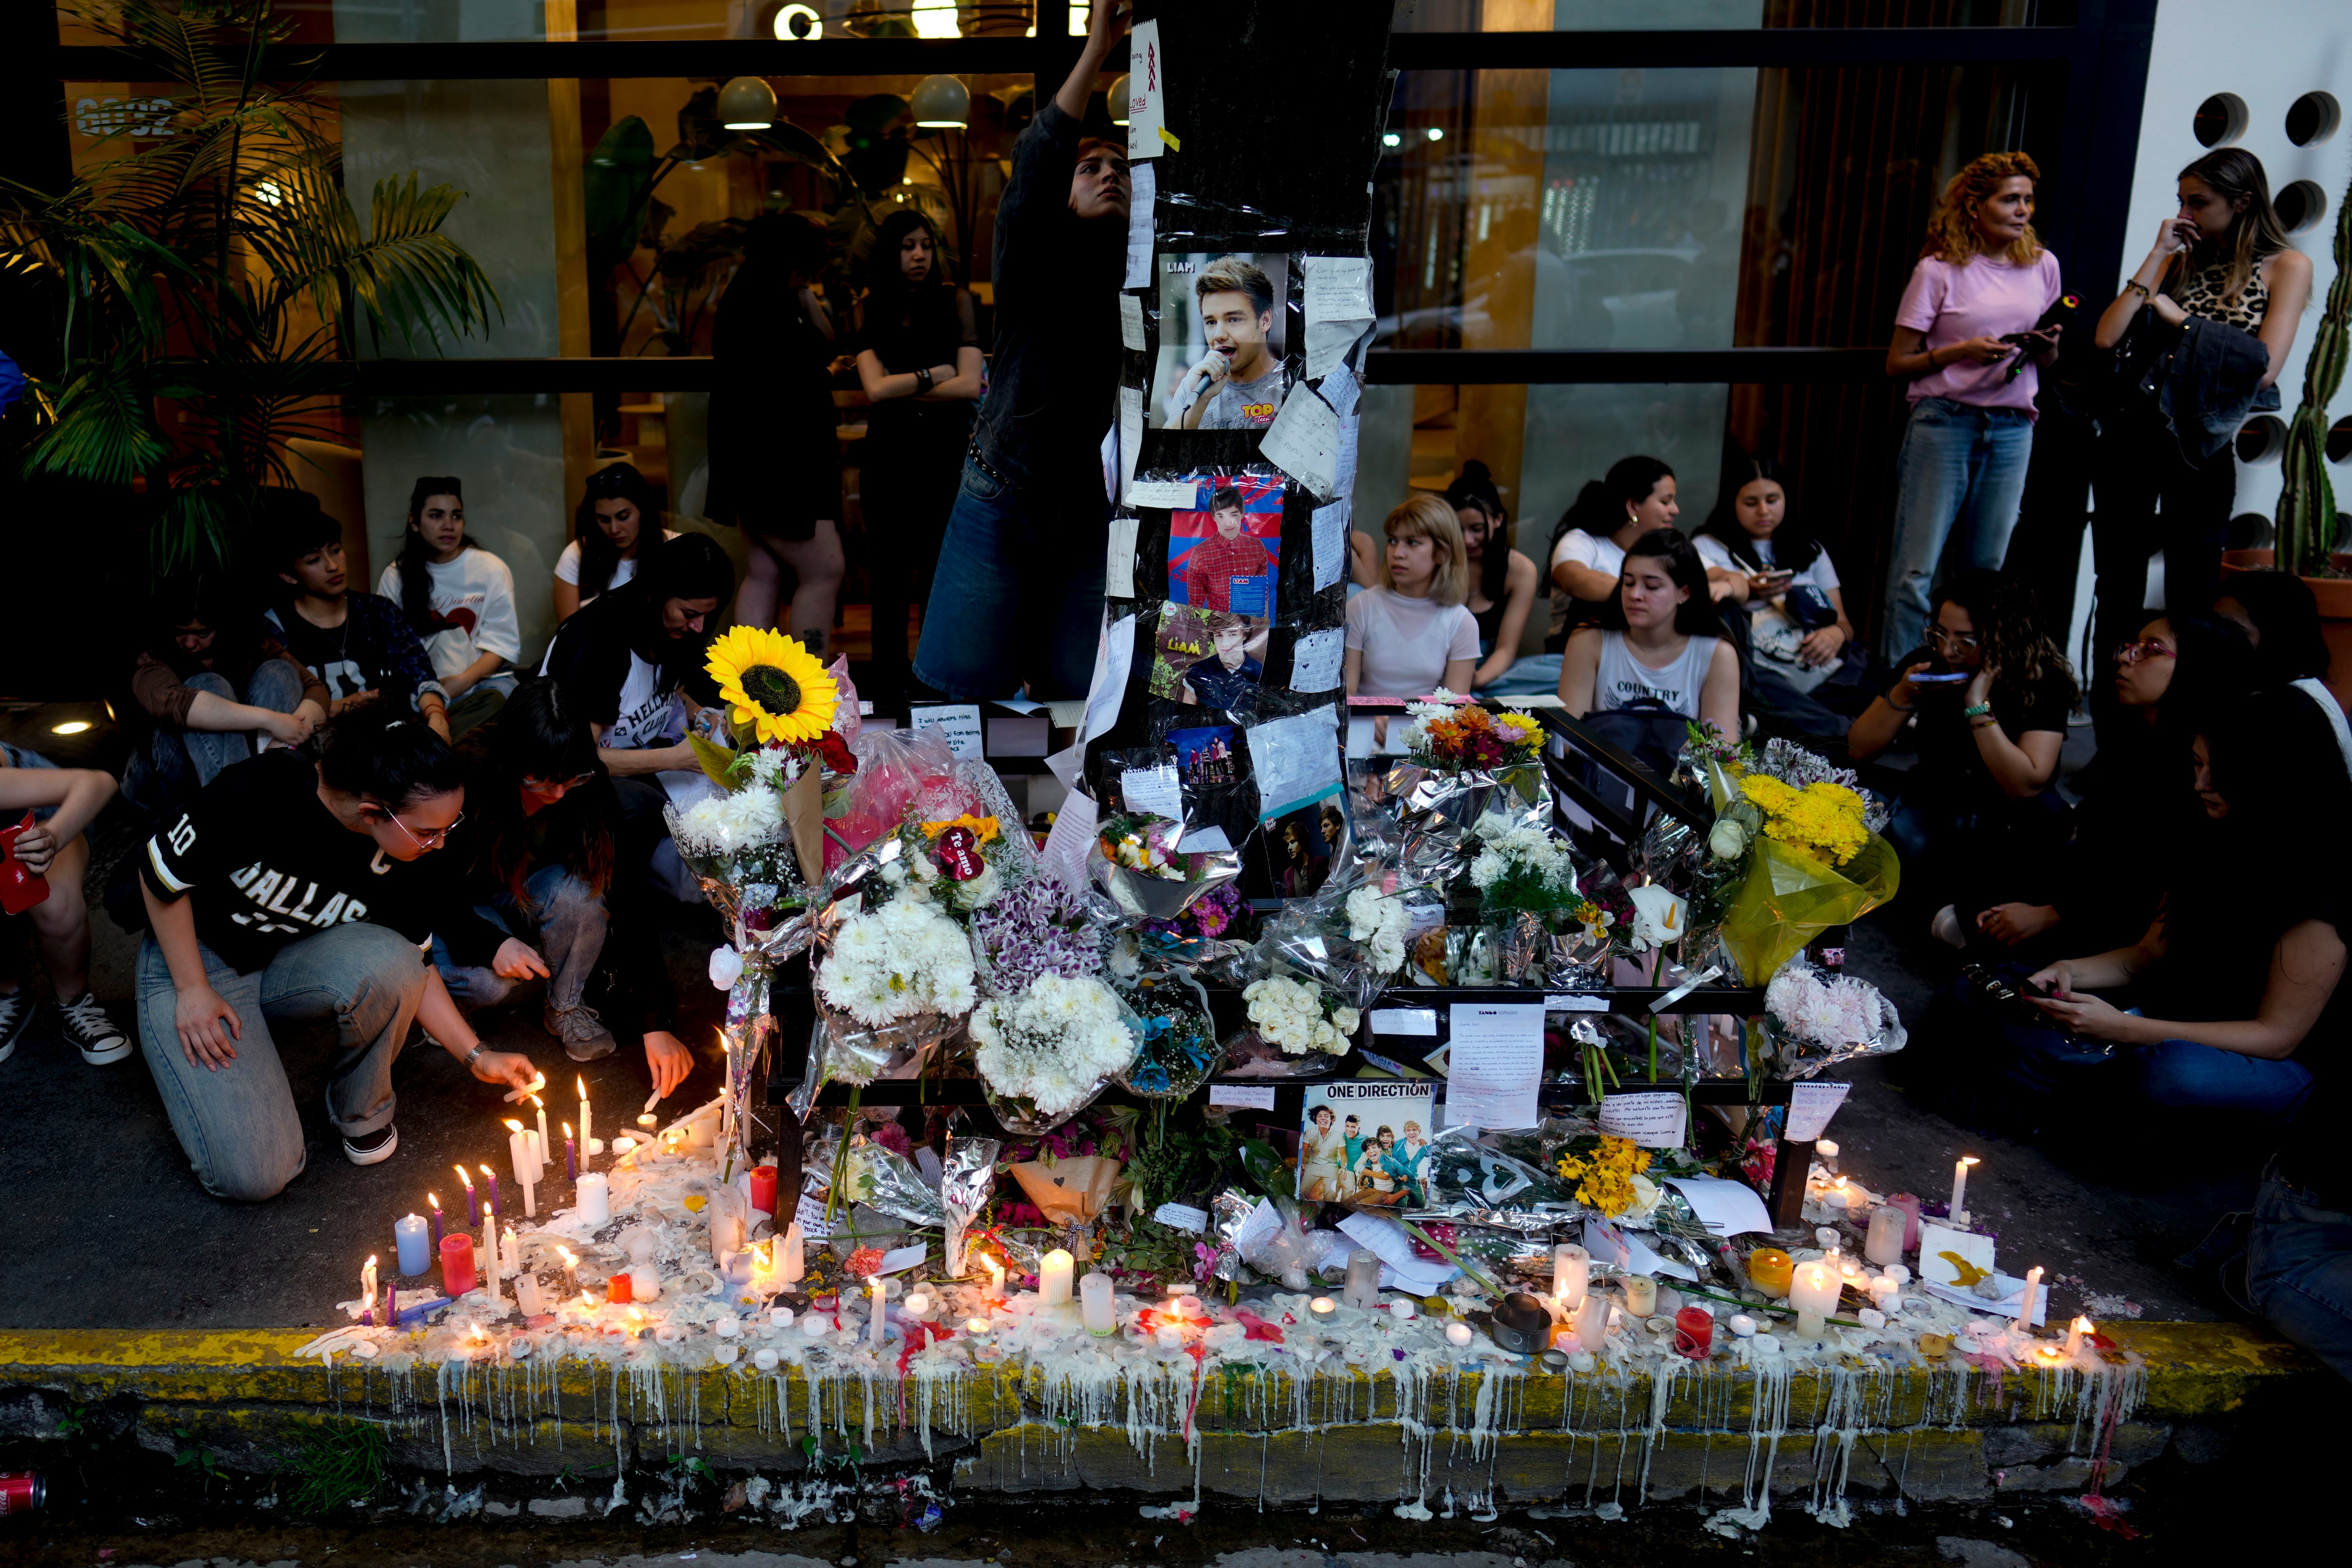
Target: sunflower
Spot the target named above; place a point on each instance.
(774, 684)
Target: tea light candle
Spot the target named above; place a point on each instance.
(1766, 1345)
(1403, 1309)
(1770, 1269)
(816, 1325)
(1960, 1189)
(976, 1327)
(765, 1359)
(1096, 1307)
(780, 1317)
(1571, 1276)
(1055, 1272)
(592, 1201)
(1809, 1324)
(408, 1244)
(1641, 1295)
(728, 1328)
(1582, 1360)
(1457, 1334)
(1743, 1326)
(1322, 1308)
(1169, 1337)
(921, 1306)
(648, 1121)
(1826, 1151)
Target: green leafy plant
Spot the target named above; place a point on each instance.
(2306, 507)
(342, 1464)
(192, 1455)
(222, 268)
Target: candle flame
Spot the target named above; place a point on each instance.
(463, 1177)
(435, 1201)
(568, 1261)
(370, 1260)
(582, 1085)
(534, 1099)
(538, 1082)
(478, 1333)
(2084, 1325)
(513, 1126)
(493, 1174)
(587, 1301)
(567, 1132)
(1971, 1160)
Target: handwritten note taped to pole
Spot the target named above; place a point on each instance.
(1653, 1119)
(1810, 1106)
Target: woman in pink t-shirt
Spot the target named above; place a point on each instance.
(1981, 285)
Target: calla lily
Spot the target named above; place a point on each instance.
(1659, 917)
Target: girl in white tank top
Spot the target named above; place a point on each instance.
(1625, 681)
(1664, 606)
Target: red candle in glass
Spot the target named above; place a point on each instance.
(1910, 1207)
(617, 1289)
(1694, 1332)
(763, 1188)
(456, 1265)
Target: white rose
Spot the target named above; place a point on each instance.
(1729, 839)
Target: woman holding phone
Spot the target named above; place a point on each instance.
(1807, 676)
(1991, 692)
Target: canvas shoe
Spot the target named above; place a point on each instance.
(92, 1033)
(15, 1012)
(583, 1034)
(371, 1148)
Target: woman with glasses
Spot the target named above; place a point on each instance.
(2134, 798)
(1987, 701)
(539, 855)
(294, 890)
(617, 518)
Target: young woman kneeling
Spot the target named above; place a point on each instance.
(295, 890)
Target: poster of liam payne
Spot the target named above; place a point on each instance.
(1220, 340)
(1224, 550)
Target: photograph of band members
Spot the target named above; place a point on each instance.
(1205, 757)
(1363, 1143)
(1220, 340)
(1226, 557)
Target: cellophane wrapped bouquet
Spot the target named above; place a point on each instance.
(1462, 765)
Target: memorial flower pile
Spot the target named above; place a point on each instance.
(1037, 929)
(1054, 1044)
(1452, 733)
(1379, 922)
(903, 959)
(1607, 1172)
(1300, 1018)
(1525, 869)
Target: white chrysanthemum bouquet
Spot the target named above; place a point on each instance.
(905, 958)
(1053, 1046)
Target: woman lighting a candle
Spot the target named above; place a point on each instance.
(295, 890)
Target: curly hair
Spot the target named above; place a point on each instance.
(2009, 630)
(1951, 227)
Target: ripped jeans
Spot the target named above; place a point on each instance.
(557, 914)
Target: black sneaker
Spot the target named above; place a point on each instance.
(371, 1148)
(92, 1032)
(15, 1012)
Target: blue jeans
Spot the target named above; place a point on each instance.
(1959, 477)
(2299, 1269)
(1535, 675)
(1014, 601)
(560, 916)
(165, 775)
(239, 1125)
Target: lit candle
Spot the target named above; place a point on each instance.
(2033, 1290)
(526, 1168)
(995, 1275)
(539, 1147)
(1641, 1295)
(1457, 1334)
(2075, 1331)
(587, 1143)
(367, 1288)
(1884, 1244)
(1403, 1309)
(436, 1201)
(921, 1307)
(1322, 1308)
(571, 1156)
(1743, 1326)
(591, 1202)
(1839, 1198)
(1815, 1288)
(1826, 1151)
(795, 1260)
(493, 1176)
(1571, 1276)
(1095, 1307)
(408, 1244)
(470, 1205)
(489, 1250)
(1770, 1269)
(1055, 1273)
(571, 1271)
(976, 1327)
(456, 1265)
(1960, 1188)
(875, 1325)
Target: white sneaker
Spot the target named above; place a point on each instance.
(1945, 927)
(92, 1032)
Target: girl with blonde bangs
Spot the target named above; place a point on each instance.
(1412, 635)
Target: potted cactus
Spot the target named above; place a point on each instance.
(2305, 521)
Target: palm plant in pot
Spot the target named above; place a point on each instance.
(219, 268)
(2305, 522)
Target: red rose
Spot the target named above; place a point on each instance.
(835, 752)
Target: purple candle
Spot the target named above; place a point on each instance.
(571, 1159)
(436, 1201)
(493, 1175)
(391, 1305)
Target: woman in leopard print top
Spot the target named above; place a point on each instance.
(2224, 258)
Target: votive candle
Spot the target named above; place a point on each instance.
(1094, 1306)
(1055, 1272)
(1641, 1295)
(1815, 1288)
(1770, 1268)
(456, 1265)
(1571, 1276)
(1695, 1332)
(408, 1244)
(592, 1201)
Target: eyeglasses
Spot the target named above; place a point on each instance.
(431, 837)
(533, 780)
(2131, 653)
(1943, 638)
